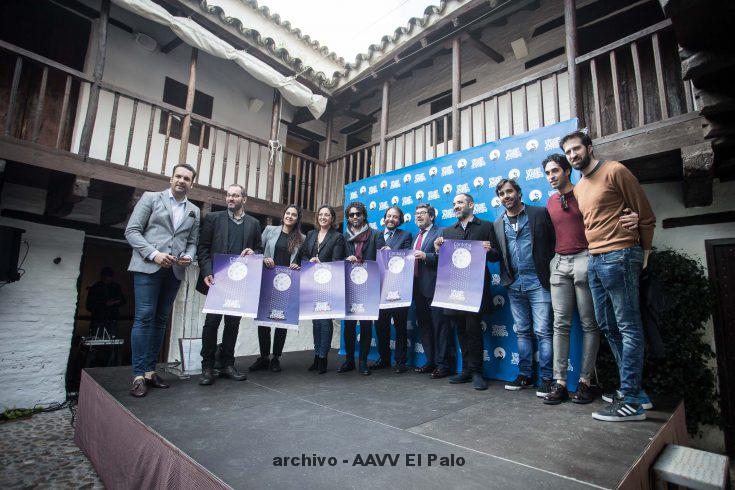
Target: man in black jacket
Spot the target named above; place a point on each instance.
(525, 237)
(224, 232)
(392, 238)
(468, 324)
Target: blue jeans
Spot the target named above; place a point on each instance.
(533, 314)
(154, 299)
(323, 330)
(614, 279)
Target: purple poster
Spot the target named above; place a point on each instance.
(460, 276)
(362, 290)
(396, 273)
(279, 298)
(322, 290)
(236, 288)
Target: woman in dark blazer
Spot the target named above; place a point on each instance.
(325, 244)
(281, 245)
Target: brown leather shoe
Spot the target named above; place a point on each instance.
(439, 373)
(425, 369)
(156, 381)
(139, 389)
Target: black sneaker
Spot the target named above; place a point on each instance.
(463, 377)
(275, 365)
(620, 412)
(260, 364)
(585, 394)
(519, 383)
(346, 366)
(478, 382)
(618, 396)
(556, 395)
(544, 389)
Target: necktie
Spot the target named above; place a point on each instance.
(388, 236)
(419, 241)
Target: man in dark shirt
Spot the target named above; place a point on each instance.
(224, 232)
(468, 324)
(104, 301)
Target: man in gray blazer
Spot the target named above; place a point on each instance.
(163, 231)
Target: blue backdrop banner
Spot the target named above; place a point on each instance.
(475, 171)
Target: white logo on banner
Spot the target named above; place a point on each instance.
(461, 163)
(407, 217)
(407, 200)
(485, 356)
(383, 205)
(374, 226)
(498, 300)
(373, 189)
(418, 178)
(495, 202)
(478, 182)
(383, 184)
(394, 200)
(534, 173)
(499, 331)
(478, 162)
(432, 171)
(513, 153)
(447, 188)
(531, 145)
(363, 189)
(569, 364)
(418, 348)
(535, 195)
(494, 155)
(463, 188)
(495, 279)
(551, 144)
(353, 195)
(395, 184)
(382, 222)
(433, 195)
(483, 326)
(407, 178)
(494, 181)
(480, 208)
(448, 170)
(514, 174)
(373, 204)
(515, 358)
(499, 353)
(419, 195)
(447, 213)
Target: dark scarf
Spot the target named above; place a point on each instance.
(359, 239)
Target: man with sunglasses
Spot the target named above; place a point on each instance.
(569, 284)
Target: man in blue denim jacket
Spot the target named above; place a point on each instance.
(617, 257)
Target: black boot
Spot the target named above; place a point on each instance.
(207, 377)
(315, 365)
(322, 365)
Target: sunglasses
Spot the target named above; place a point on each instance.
(352, 215)
(564, 203)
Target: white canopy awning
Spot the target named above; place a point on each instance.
(197, 36)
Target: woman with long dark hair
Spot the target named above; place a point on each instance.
(324, 244)
(280, 246)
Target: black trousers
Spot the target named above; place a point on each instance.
(264, 339)
(209, 339)
(366, 336)
(469, 332)
(435, 332)
(382, 329)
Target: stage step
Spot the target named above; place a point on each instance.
(691, 468)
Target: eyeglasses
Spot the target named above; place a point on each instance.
(564, 203)
(420, 213)
(352, 215)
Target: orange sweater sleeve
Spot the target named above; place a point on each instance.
(635, 198)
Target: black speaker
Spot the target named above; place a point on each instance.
(9, 251)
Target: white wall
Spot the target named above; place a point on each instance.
(38, 316)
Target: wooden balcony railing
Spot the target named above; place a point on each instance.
(44, 99)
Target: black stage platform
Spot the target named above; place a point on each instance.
(230, 433)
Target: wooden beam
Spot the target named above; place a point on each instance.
(94, 92)
(575, 85)
(698, 170)
(384, 126)
(189, 106)
(456, 95)
(171, 45)
(475, 41)
(699, 219)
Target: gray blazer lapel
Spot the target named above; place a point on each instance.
(169, 212)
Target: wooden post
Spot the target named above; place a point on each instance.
(275, 125)
(327, 182)
(189, 106)
(384, 127)
(456, 95)
(575, 87)
(94, 92)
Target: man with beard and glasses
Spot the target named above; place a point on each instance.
(569, 284)
(617, 258)
(468, 324)
(526, 240)
(359, 246)
(392, 239)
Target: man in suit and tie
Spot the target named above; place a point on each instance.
(392, 238)
(433, 325)
(229, 232)
(163, 231)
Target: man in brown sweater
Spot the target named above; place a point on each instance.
(617, 257)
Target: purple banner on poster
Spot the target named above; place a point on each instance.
(362, 290)
(460, 276)
(236, 288)
(396, 273)
(279, 298)
(322, 292)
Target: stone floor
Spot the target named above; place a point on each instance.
(39, 452)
